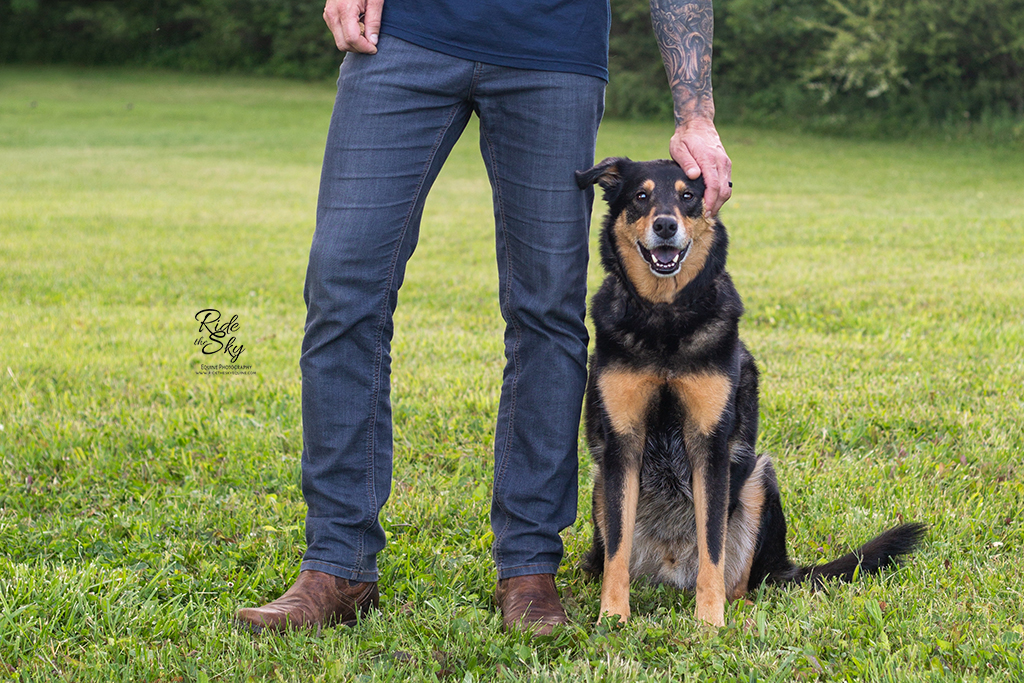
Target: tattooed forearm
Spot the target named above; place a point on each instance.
(684, 29)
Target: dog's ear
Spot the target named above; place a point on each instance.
(607, 174)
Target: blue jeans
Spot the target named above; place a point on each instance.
(396, 118)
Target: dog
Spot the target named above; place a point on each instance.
(680, 495)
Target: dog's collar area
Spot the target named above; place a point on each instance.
(664, 260)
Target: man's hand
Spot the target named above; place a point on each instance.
(697, 148)
(684, 29)
(355, 24)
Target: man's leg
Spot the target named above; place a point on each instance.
(397, 115)
(538, 128)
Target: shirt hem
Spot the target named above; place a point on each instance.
(515, 62)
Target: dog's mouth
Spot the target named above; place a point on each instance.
(664, 260)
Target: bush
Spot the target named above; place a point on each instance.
(877, 65)
(280, 37)
(883, 65)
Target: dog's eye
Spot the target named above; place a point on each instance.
(641, 196)
(687, 196)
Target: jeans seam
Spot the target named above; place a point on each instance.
(379, 343)
(477, 69)
(499, 476)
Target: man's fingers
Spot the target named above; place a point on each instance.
(682, 156)
(709, 168)
(711, 191)
(345, 19)
(724, 181)
(352, 31)
(716, 180)
(716, 168)
(372, 20)
(698, 150)
(333, 21)
(724, 191)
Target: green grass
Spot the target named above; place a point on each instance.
(142, 503)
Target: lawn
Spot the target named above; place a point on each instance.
(141, 502)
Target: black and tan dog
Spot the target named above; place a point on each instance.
(680, 495)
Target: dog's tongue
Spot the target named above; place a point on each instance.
(664, 254)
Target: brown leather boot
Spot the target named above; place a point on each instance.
(530, 603)
(315, 599)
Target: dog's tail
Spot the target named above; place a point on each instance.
(880, 552)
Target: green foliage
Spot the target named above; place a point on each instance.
(761, 49)
(638, 87)
(141, 504)
(862, 53)
(891, 64)
(875, 66)
(286, 38)
(940, 58)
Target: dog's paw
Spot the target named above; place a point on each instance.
(613, 615)
(712, 615)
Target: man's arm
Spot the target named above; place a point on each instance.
(355, 24)
(684, 29)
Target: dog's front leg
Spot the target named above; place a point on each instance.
(706, 399)
(710, 502)
(620, 481)
(624, 400)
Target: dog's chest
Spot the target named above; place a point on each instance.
(666, 476)
(665, 541)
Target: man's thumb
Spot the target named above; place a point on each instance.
(372, 20)
(685, 160)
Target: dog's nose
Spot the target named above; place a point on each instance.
(665, 226)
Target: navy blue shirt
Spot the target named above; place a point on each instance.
(549, 35)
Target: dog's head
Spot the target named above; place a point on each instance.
(656, 229)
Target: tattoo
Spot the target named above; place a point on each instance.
(684, 29)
